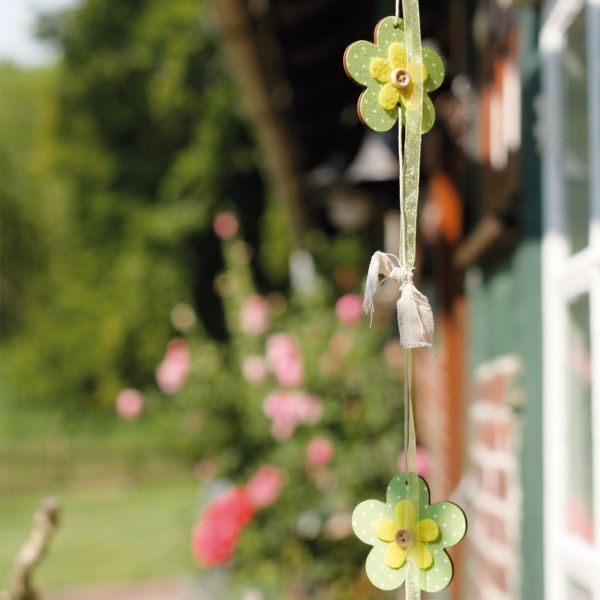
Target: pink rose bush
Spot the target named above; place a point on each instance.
(173, 371)
(288, 410)
(319, 452)
(264, 487)
(349, 309)
(129, 404)
(217, 533)
(254, 315)
(285, 360)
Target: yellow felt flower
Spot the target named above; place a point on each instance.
(389, 78)
(397, 76)
(405, 535)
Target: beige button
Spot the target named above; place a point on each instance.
(404, 538)
(400, 78)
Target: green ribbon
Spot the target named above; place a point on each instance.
(409, 199)
(412, 141)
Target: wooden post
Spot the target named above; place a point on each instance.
(45, 522)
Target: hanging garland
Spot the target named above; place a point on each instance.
(409, 535)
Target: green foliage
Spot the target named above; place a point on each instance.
(113, 165)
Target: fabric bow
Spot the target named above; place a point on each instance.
(415, 318)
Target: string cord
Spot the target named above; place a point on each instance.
(402, 250)
(403, 262)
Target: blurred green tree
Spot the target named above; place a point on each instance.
(125, 151)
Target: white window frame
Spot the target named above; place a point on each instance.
(565, 277)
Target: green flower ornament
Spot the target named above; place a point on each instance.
(383, 69)
(394, 531)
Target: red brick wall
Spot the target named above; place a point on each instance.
(439, 409)
(494, 493)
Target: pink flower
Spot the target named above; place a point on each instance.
(264, 487)
(225, 225)
(422, 461)
(254, 315)
(307, 407)
(285, 360)
(287, 410)
(280, 410)
(289, 372)
(254, 369)
(216, 535)
(348, 309)
(129, 404)
(319, 452)
(173, 371)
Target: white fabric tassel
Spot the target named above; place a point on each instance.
(381, 263)
(415, 318)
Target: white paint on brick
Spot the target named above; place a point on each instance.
(507, 366)
(486, 410)
(493, 459)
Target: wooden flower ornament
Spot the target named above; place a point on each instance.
(397, 530)
(383, 69)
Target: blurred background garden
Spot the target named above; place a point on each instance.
(155, 349)
(189, 203)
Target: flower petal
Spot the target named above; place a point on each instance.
(364, 517)
(380, 70)
(372, 114)
(424, 558)
(439, 576)
(397, 490)
(418, 72)
(387, 32)
(406, 514)
(428, 530)
(397, 55)
(357, 59)
(435, 69)
(389, 96)
(428, 113)
(395, 556)
(450, 519)
(385, 529)
(379, 574)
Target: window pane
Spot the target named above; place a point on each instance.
(576, 592)
(575, 115)
(579, 398)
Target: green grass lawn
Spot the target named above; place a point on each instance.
(115, 534)
(127, 506)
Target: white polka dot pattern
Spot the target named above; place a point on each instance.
(357, 61)
(452, 528)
